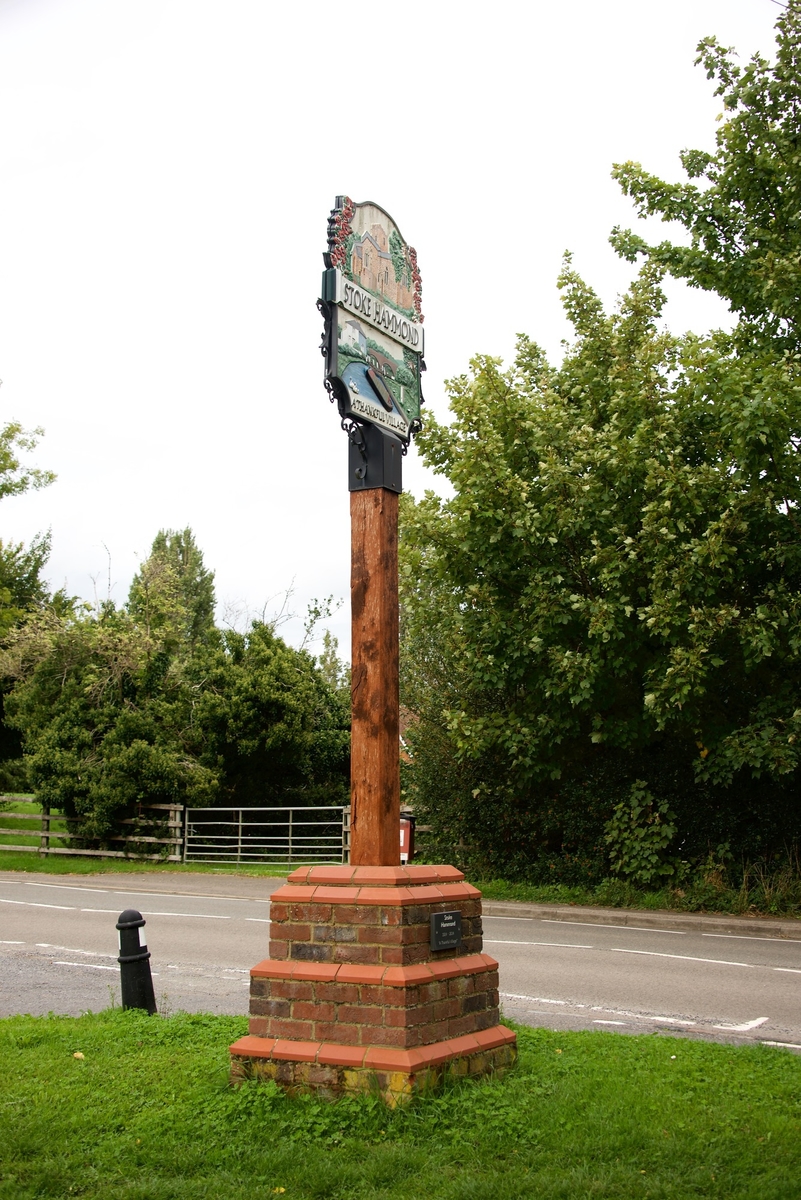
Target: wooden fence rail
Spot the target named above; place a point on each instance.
(172, 839)
(191, 835)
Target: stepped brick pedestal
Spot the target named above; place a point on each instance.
(353, 998)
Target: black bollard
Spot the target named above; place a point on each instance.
(136, 982)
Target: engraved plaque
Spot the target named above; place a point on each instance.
(446, 930)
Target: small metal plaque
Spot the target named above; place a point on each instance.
(446, 930)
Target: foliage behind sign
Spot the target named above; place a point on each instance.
(613, 590)
(609, 606)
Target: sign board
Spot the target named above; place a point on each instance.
(373, 342)
(446, 930)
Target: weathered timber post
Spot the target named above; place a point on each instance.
(375, 762)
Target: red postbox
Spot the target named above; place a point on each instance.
(406, 838)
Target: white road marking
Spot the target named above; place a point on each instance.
(784, 1045)
(492, 917)
(112, 911)
(753, 937)
(721, 962)
(73, 887)
(72, 950)
(262, 920)
(66, 887)
(204, 916)
(667, 1020)
(599, 925)
(136, 892)
(90, 966)
(563, 945)
(599, 1022)
(187, 895)
(533, 999)
(788, 970)
(12, 943)
(743, 1028)
(637, 1016)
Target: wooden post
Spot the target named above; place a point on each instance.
(374, 756)
(44, 841)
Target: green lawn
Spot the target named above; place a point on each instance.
(146, 1114)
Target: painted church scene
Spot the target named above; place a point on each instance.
(383, 271)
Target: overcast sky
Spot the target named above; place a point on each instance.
(167, 170)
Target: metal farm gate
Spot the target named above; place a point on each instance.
(279, 835)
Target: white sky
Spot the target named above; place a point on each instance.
(166, 172)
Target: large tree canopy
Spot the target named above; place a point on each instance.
(610, 603)
(616, 581)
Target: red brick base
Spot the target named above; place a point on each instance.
(331, 1070)
(351, 976)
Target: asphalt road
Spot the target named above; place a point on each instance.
(58, 948)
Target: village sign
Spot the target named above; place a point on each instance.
(373, 341)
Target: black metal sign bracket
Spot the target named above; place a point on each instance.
(374, 459)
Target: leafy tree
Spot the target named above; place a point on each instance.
(612, 594)
(609, 605)
(743, 214)
(334, 671)
(638, 835)
(105, 705)
(173, 587)
(150, 703)
(272, 726)
(15, 476)
(21, 583)
(21, 590)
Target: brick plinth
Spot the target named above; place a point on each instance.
(351, 976)
(331, 1070)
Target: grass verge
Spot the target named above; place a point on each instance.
(146, 1114)
(759, 892)
(612, 893)
(759, 895)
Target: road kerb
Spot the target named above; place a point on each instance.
(648, 919)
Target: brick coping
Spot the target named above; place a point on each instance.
(394, 893)
(450, 968)
(379, 1058)
(376, 876)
